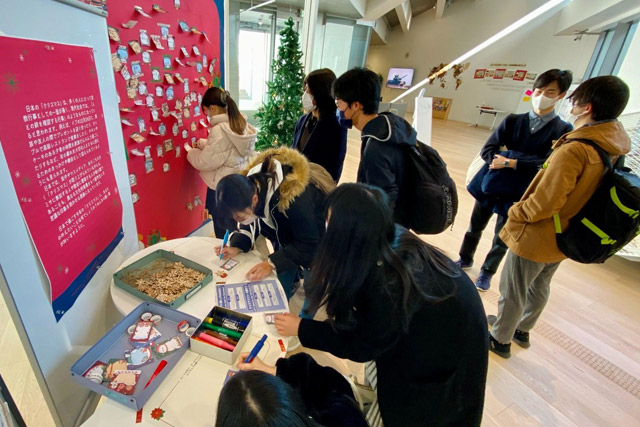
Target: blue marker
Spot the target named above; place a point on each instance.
(256, 349)
(224, 242)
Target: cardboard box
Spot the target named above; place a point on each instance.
(217, 353)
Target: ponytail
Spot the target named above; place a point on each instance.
(222, 98)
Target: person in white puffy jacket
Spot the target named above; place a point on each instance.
(229, 146)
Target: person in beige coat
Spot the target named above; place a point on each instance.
(227, 150)
(565, 183)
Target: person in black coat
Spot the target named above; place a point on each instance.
(385, 137)
(394, 299)
(275, 198)
(317, 134)
(528, 139)
(297, 391)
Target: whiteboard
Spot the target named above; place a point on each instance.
(53, 347)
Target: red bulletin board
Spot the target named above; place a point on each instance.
(168, 193)
(54, 138)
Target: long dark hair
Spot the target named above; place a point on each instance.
(234, 192)
(320, 82)
(362, 247)
(255, 398)
(222, 98)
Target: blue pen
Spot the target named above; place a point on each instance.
(224, 242)
(256, 349)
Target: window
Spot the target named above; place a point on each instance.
(611, 50)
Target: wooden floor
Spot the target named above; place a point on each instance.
(583, 368)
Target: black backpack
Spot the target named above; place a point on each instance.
(608, 221)
(428, 197)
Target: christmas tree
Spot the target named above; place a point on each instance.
(277, 117)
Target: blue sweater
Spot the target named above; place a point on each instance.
(515, 133)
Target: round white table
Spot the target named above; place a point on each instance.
(189, 394)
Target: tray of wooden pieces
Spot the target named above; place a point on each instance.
(164, 278)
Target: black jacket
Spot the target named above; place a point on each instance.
(327, 143)
(530, 149)
(326, 394)
(383, 154)
(433, 375)
(295, 210)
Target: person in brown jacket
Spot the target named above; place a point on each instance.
(565, 183)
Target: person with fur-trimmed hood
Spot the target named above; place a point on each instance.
(276, 198)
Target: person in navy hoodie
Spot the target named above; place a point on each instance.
(385, 136)
(317, 134)
(528, 137)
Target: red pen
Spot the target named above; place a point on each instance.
(160, 367)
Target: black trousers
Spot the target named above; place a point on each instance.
(210, 204)
(479, 219)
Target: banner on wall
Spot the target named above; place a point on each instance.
(164, 57)
(54, 138)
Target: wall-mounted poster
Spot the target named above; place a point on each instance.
(55, 141)
(499, 74)
(519, 75)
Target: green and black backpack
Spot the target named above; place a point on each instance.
(608, 221)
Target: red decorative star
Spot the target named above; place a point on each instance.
(157, 413)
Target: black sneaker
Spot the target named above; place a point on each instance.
(521, 338)
(502, 350)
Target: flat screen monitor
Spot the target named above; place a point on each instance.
(400, 78)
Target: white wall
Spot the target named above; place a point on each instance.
(53, 347)
(466, 24)
(629, 72)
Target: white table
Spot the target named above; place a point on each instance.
(189, 394)
(486, 110)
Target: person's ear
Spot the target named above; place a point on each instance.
(562, 95)
(254, 201)
(588, 109)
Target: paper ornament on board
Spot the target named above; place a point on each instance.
(141, 11)
(113, 34)
(144, 38)
(129, 24)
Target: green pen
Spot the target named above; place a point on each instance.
(222, 330)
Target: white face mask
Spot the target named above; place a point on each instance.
(573, 118)
(249, 220)
(542, 102)
(307, 102)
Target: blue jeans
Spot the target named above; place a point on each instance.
(287, 280)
